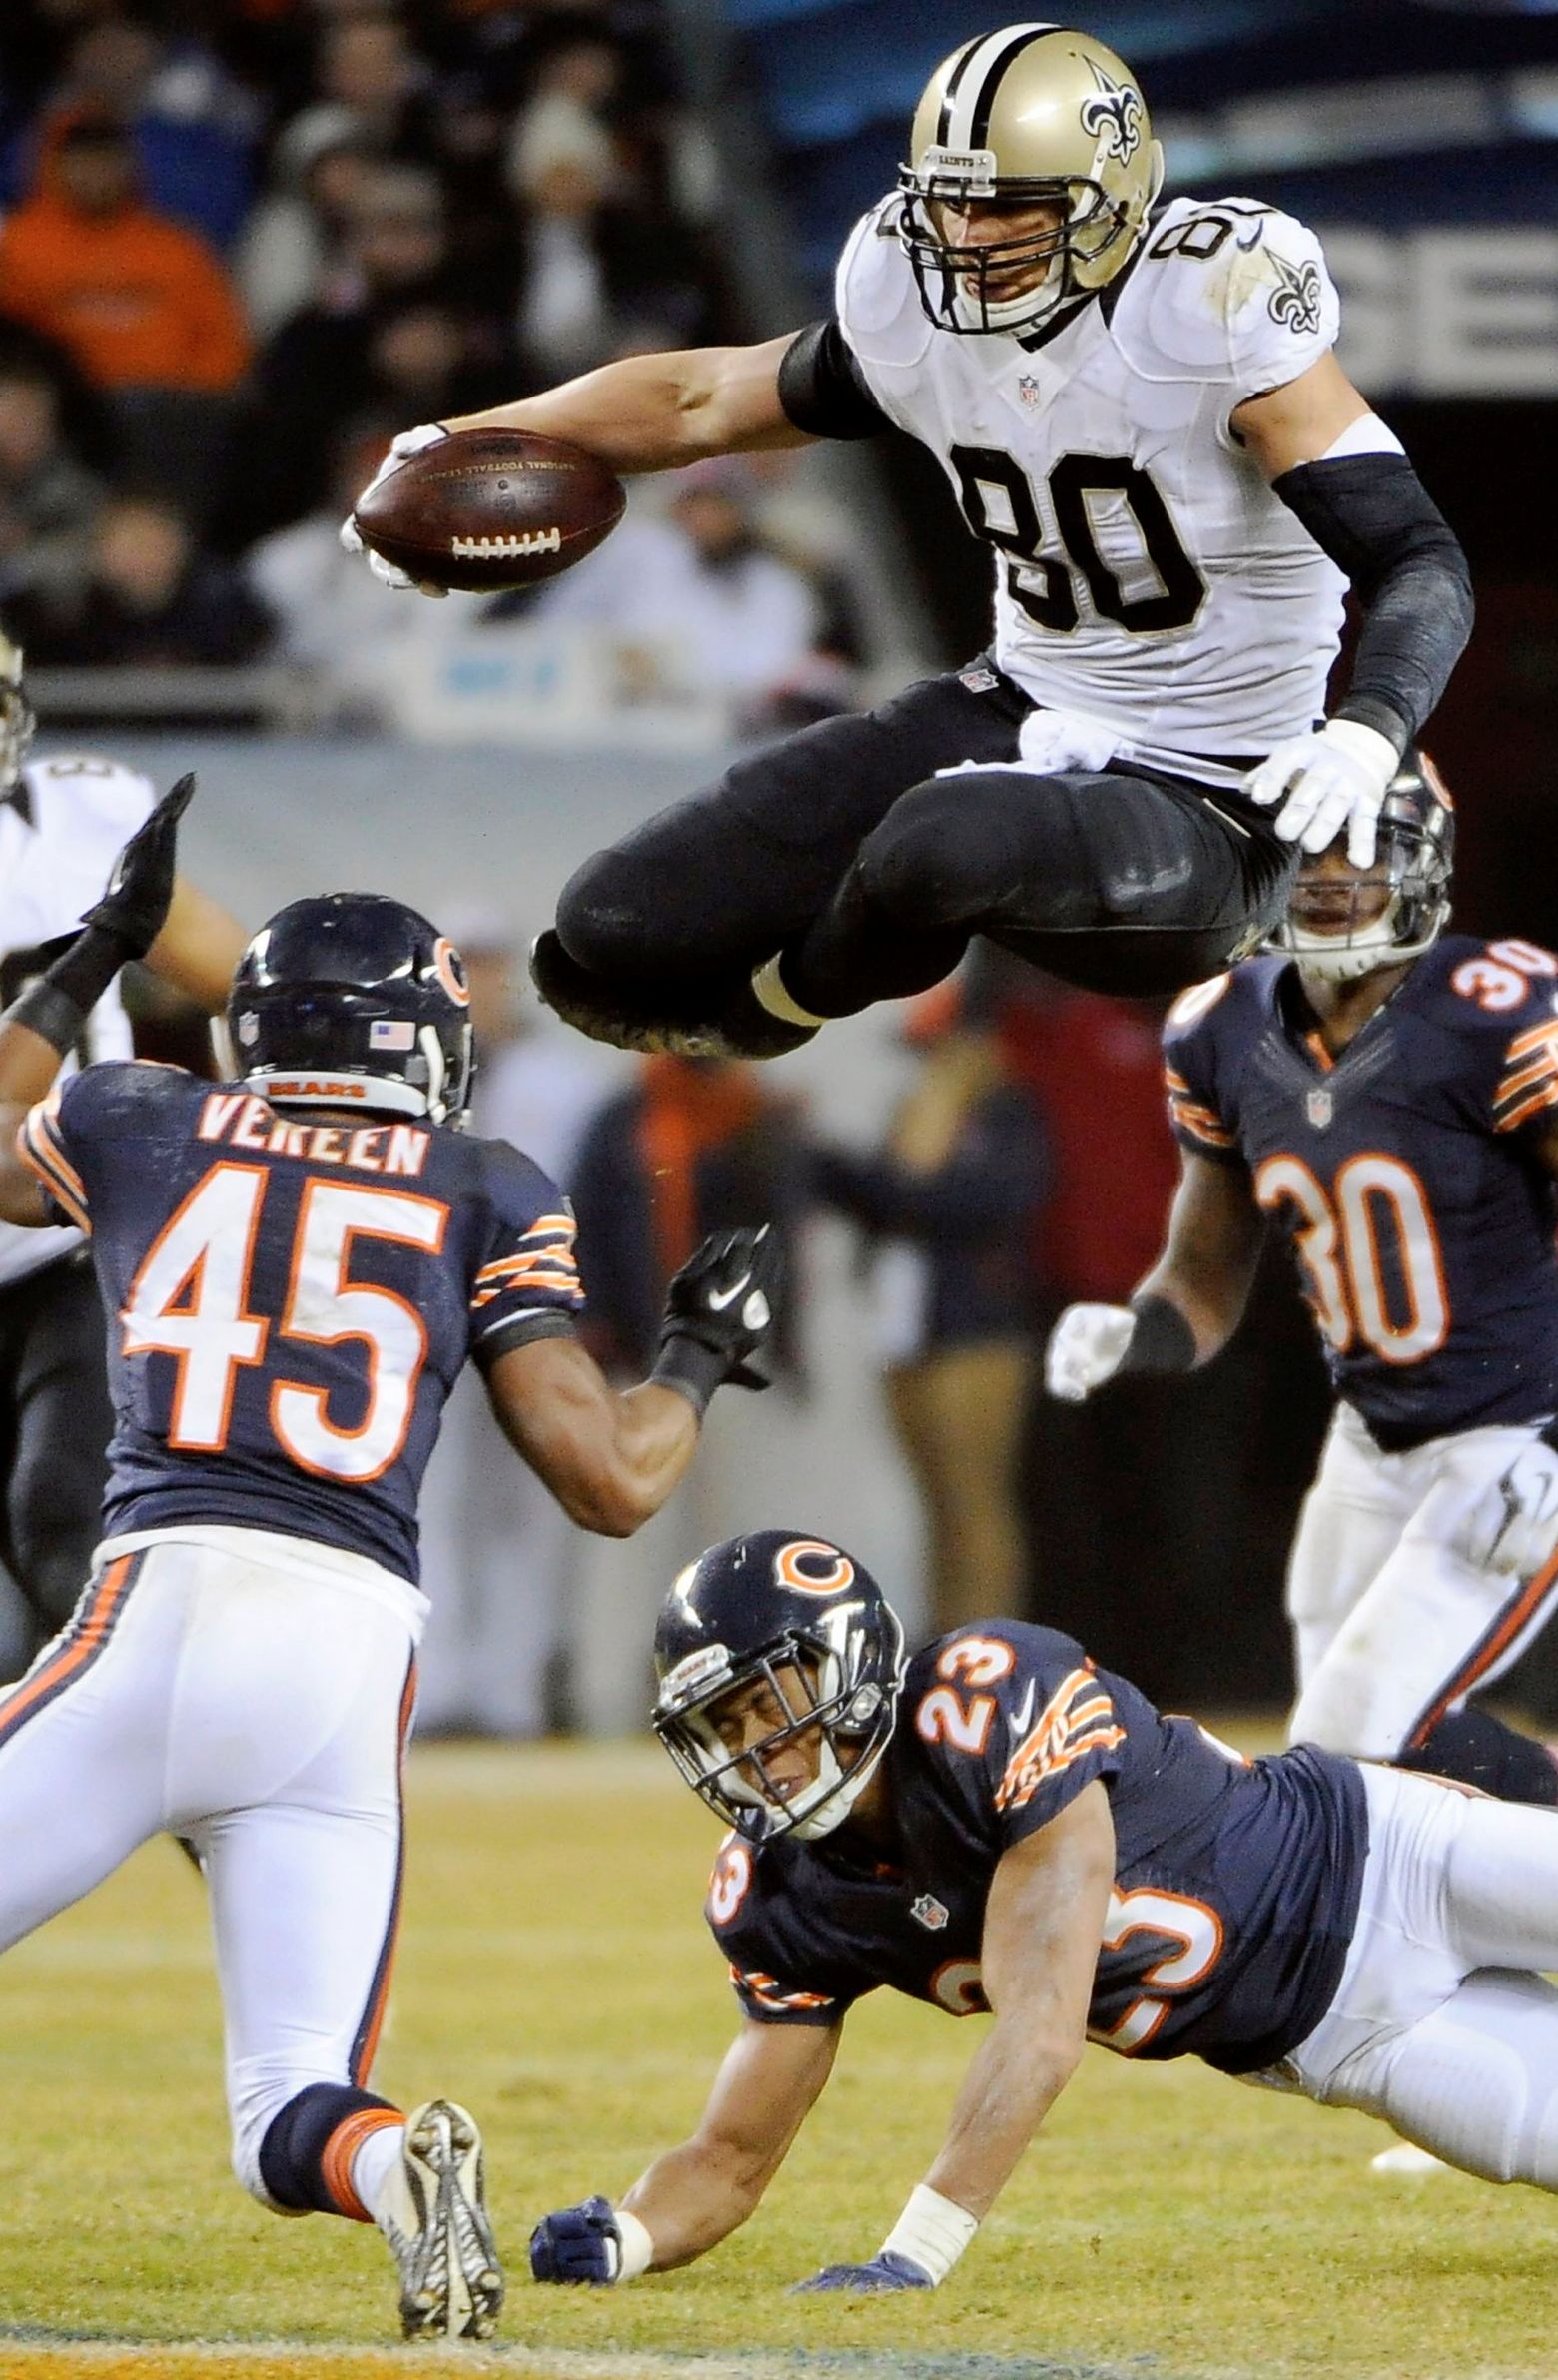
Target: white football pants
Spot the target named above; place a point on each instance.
(1440, 2024)
(1393, 1626)
(250, 1692)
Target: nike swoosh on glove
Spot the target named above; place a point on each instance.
(580, 2245)
(884, 2272)
(1335, 778)
(402, 448)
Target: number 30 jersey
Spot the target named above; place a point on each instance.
(1146, 573)
(291, 1299)
(1404, 1173)
(1236, 1883)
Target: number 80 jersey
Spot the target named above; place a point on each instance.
(1146, 573)
(292, 1297)
(1405, 1173)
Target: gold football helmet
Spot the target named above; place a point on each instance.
(1032, 114)
(16, 714)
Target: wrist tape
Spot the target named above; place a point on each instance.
(691, 1369)
(637, 2246)
(932, 2232)
(1163, 1340)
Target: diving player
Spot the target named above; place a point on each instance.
(62, 820)
(1001, 1825)
(1143, 417)
(298, 1263)
(1388, 1096)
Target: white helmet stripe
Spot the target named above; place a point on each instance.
(975, 81)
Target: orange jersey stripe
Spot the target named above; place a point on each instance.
(82, 1642)
(1518, 1617)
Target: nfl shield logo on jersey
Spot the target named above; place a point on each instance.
(1319, 1107)
(1027, 389)
(929, 1910)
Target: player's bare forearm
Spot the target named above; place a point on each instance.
(1042, 1924)
(656, 413)
(199, 947)
(1210, 1254)
(28, 1067)
(696, 2196)
(609, 1456)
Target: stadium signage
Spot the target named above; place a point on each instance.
(1447, 313)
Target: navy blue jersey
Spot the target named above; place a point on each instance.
(1405, 1172)
(293, 1300)
(1236, 1882)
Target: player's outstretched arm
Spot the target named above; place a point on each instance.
(50, 1017)
(610, 1456)
(1186, 1308)
(1039, 1951)
(1348, 481)
(695, 2195)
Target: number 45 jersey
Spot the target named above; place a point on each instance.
(1236, 1882)
(291, 1299)
(1146, 573)
(1405, 1173)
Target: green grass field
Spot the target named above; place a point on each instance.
(555, 1973)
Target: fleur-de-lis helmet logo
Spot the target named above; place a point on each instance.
(1113, 116)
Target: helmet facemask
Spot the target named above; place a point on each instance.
(814, 1680)
(1414, 850)
(1033, 115)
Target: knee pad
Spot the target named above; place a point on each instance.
(950, 851)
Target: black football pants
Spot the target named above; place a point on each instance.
(843, 847)
(55, 1423)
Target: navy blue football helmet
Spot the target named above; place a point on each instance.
(800, 1617)
(353, 997)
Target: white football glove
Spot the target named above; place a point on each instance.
(402, 448)
(1087, 1347)
(1513, 1528)
(1337, 777)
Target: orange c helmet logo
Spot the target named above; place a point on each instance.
(451, 970)
(787, 1566)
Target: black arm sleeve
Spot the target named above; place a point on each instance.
(822, 387)
(1372, 515)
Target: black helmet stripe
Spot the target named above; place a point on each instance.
(950, 88)
(979, 76)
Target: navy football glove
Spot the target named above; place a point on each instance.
(886, 2271)
(580, 2245)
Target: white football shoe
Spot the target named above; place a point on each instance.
(434, 2215)
(1408, 2158)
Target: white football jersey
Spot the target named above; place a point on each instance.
(62, 826)
(1146, 573)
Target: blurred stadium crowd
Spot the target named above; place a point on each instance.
(242, 245)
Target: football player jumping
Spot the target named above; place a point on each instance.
(1141, 414)
(1001, 1826)
(1390, 1095)
(298, 1263)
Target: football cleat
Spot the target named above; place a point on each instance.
(608, 1012)
(434, 2217)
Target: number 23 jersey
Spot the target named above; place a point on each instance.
(1405, 1173)
(1145, 573)
(1236, 1882)
(291, 1297)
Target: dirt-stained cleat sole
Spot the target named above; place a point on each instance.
(608, 1014)
(436, 2221)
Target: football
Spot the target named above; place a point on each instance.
(484, 509)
